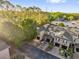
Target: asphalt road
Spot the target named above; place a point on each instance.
(35, 53)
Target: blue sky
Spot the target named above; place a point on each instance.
(71, 6)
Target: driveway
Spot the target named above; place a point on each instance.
(35, 53)
(55, 52)
(76, 56)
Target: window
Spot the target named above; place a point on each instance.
(77, 49)
(57, 45)
(64, 47)
(47, 40)
(38, 37)
(71, 45)
(52, 40)
(65, 41)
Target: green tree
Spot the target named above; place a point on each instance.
(61, 24)
(12, 32)
(29, 27)
(70, 51)
(50, 18)
(70, 18)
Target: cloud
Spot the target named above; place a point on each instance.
(56, 1)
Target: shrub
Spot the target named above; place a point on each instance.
(50, 46)
(61, 24)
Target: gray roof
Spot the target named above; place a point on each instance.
(68, 35)
(46, 36)
(41, 28)
(3, 45)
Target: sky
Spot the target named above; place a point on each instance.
(68, 6)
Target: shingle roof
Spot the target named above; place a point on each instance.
(68, 36)
(47, 36)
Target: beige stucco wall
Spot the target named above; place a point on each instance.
(4, 54)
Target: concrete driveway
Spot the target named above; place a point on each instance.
(35, 53)
(76, 56)
(55, 52)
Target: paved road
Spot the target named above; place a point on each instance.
(35, 53)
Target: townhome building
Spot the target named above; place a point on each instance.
(61, 37)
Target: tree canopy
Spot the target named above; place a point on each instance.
(20, 26)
